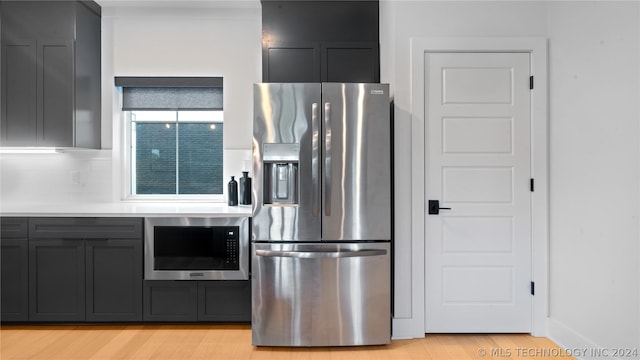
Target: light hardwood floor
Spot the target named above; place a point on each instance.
(233, 342)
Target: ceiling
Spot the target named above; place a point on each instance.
(181, 3)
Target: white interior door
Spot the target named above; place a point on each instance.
(478, 254)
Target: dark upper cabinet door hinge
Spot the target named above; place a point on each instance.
(531, 185)
(533, 288)
(531, 82)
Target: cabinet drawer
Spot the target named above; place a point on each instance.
(13, 227)
(85, 228)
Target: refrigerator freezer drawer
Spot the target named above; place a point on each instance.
(321, 294)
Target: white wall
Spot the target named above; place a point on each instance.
(594, 152)
(595, 67)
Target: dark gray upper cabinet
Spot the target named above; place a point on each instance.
(350, 62)
(329, 41)
(51, 88)
(294, 61)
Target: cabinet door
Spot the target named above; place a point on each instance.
(55, 102)
(291, 62)
(224, 301)
(56, 280)
(170, 301)
(350, 62)
(18, 93)
(14, 264)
(114, 280)
(15, 272)
(37, 93)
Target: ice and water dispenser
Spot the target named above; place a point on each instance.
(280, 164)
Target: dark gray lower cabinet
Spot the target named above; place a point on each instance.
(85, 269)
(56, 280)
(15, 273)
(224, 301)
(72, 270)
(14, 268)
(114, 280)
(190, 301)
(171, 301)
(85, 280)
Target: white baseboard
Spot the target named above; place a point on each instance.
(577, 345)
(403, 329)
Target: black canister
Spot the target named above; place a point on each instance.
(232, 188)
(245, 188)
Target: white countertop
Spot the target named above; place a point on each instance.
(126, 209)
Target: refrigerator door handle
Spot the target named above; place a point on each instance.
(327, 159)
(315, 163)
(321, 254)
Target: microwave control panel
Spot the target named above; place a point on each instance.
(233, 243)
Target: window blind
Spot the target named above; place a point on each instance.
(171, 93)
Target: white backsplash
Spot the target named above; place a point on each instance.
(66, 177)
(78, 176)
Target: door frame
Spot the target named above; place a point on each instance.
(537, 48)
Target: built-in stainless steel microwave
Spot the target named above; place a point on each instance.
(192, 248)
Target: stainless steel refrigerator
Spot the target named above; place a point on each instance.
(321, 226)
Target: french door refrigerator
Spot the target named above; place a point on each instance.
(321, 227)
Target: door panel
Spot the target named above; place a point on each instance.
(321, 294)
(477, 135)
(356, 199)
(286, 114)
(478, 257)
(476, 85)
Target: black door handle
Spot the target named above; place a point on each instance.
(434, 207)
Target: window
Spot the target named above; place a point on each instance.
(173, 137)
(176, 152)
